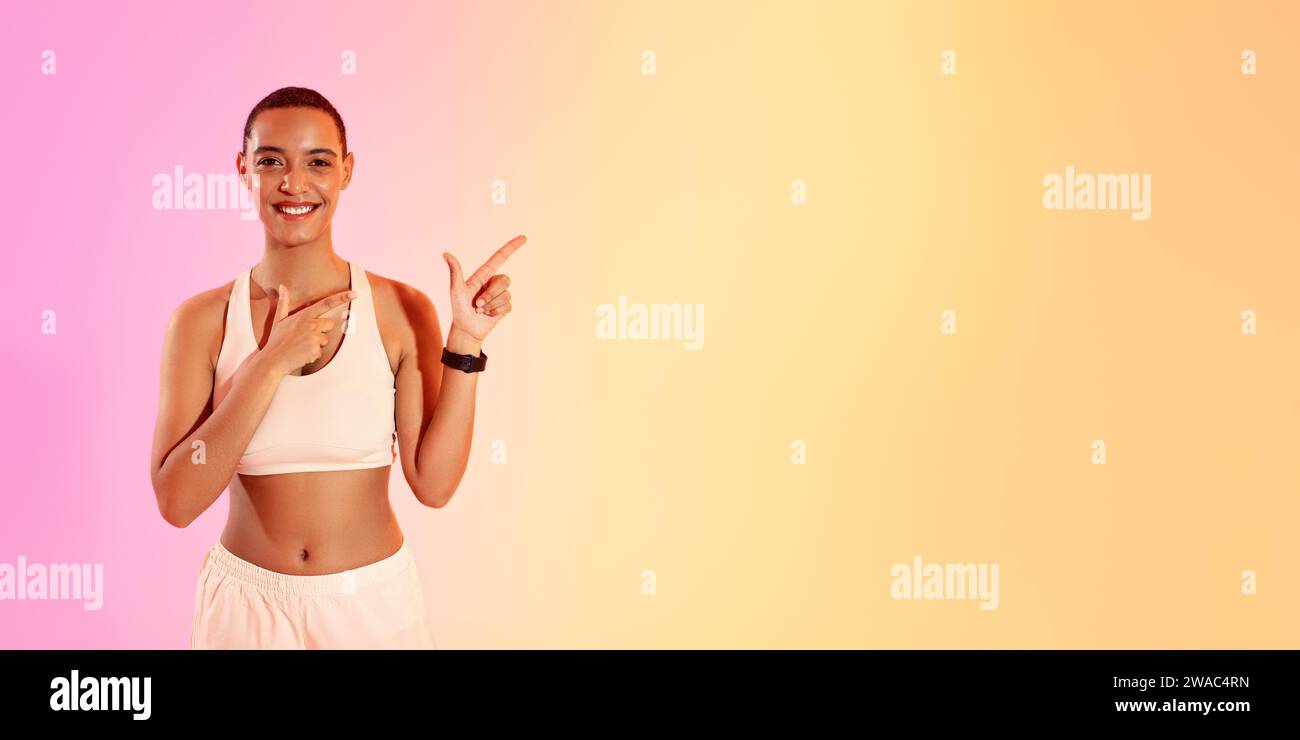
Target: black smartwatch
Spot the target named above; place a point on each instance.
(465, 363)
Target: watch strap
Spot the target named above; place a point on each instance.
(464, 363)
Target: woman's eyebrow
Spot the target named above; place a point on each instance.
(278, 150)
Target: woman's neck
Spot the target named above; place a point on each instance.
(308, 270)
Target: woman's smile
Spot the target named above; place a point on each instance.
(296, 210)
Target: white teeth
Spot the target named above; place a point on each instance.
(295, 210)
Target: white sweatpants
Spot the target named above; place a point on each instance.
(239, 605)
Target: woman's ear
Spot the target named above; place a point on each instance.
(347, 171)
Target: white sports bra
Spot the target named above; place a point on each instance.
(337, 418)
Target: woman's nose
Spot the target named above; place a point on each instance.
(294, 183)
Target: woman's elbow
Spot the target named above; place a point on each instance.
(434, 497)
(167, 508)
(173, 517)
(434, 502)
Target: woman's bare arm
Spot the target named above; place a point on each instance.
(434, 406)
(435, 403)
(184, 481)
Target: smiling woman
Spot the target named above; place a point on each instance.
(303, 380)
(270, 121)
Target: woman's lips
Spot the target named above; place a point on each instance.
(296, 211)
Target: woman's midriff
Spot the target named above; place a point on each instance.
(312, 523)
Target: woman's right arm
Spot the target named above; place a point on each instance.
(195, 450)
(185, 480)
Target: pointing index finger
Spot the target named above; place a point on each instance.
(494, 262)
(325, 305)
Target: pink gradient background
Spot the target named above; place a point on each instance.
(137, 92)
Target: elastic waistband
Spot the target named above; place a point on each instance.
(223, 561)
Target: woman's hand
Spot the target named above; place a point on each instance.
(299, 339)
(479, 302)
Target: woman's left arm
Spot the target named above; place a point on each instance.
(435, 403)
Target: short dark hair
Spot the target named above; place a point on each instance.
(295, 97)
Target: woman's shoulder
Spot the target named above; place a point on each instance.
(204, 308)
(200, 320)
(399, 300)
(402, 311)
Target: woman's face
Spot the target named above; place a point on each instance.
(293, 163)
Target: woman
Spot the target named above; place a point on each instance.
(291, 384)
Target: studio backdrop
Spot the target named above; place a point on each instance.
(840, 324)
